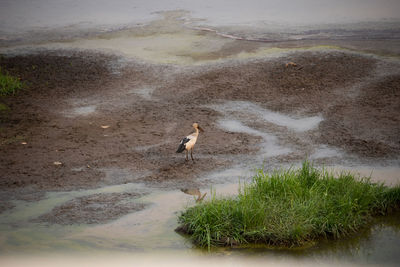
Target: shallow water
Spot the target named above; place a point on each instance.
(21, 15)
(389, 176)
(248, 109)
(187, 32)
(375, 246)
(82, 111)
(142, 232)
(269, 148)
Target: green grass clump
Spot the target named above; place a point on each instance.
(9, 85)
(289, 208)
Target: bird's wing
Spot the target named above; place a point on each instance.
(182, 144)
(185, 140)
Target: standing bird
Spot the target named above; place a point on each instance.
(188, 142)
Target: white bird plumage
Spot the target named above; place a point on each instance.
(188, 142)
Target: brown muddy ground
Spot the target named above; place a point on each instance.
(149, 108)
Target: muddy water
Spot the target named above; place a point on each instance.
(152, 228)
(177, 36)
(141, 235)
(21, 16)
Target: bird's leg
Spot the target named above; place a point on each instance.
(191, 154)
(187, 158)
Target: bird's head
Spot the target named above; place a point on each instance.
(196, 126)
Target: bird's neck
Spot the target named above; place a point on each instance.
(197, 131)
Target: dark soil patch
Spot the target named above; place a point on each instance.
(310, 86)
(93, 209)
(368, 124)
(51, 79)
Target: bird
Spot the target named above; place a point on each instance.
(188, 142)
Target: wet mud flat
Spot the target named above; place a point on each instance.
(111, 121)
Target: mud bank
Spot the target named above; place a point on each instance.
(148, 108)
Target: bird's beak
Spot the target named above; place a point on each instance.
(201, 129)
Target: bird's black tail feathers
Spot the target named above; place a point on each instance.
(182, 145)
(181, 148)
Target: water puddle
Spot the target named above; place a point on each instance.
(81, 111)
(146, 93)
(269, 148)
(282, 135)
(247, 109)
(235, 113)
